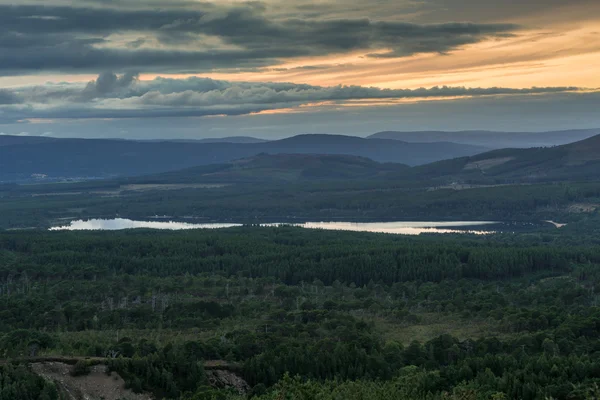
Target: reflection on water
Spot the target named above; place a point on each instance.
(120, 223)
(403, 228)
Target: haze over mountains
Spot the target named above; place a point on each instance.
(21, 157)
(229, 139)
(282, 168)
(579, 161)
(491, 139)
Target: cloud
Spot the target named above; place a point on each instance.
(205, 38)
(7, 97)
(125, 96)
(506, 113)
(108, 83)
(534, 11)
(277, 93)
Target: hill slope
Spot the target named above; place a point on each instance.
(381, 150)
(281, 168)
(9, 140)
(490, 139)
(229, 139)
(108, 158)
(575, 161)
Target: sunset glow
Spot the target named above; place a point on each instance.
(238, 59)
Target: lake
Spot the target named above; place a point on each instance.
(401, 228)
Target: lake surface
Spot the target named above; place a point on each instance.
(401, 228)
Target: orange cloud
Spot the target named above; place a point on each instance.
(532, 58)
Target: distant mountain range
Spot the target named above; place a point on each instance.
(21, 157)
(9, 140)
(491, 139)
(578, 161)
(24, 158)
(230, 139)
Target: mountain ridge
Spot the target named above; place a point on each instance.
(575, 161)
(491, 139)
(579, 160)
(281, 168)
(227, 139)
(102, 158)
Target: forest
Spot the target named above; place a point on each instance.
(299, 200)
(522, 185)
(43, 206)
(306, 314)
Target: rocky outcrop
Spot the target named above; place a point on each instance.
(97, 385)
(223, 379)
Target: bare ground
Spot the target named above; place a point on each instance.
(97, 385)
(489, 163)
(146, 187)
(583, 207)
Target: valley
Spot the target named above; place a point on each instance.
(299, 200)
(502, 185)
(205, 283)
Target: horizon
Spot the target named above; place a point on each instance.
(310, 199)
(361, 136)
(192, 70)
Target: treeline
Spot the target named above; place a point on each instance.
(18, 383)
(387, 200)
(304, 314)
(291, 255)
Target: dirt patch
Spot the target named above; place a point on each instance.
(487, 164)
(147, 187)
(465, 186)
(432, 325)
(56, 194)
(140, 188)
(97, 385)
(583, 208)
(116, 192)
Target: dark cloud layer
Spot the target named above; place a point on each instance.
(36, 38)
(7, 97)
(507, 113)
(492, 10)
(64, 37)
(124, 96)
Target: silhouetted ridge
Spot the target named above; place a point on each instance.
(70, 158)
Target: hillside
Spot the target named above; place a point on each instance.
(81, 158)
(233, 139)
(281, 168)
(281, 188)
(9, 140)
(573, 162)
(576, 161)
(491, 139)
(228, 139)
(381, 150)
(160, 309)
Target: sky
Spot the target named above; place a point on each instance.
(274, 68)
